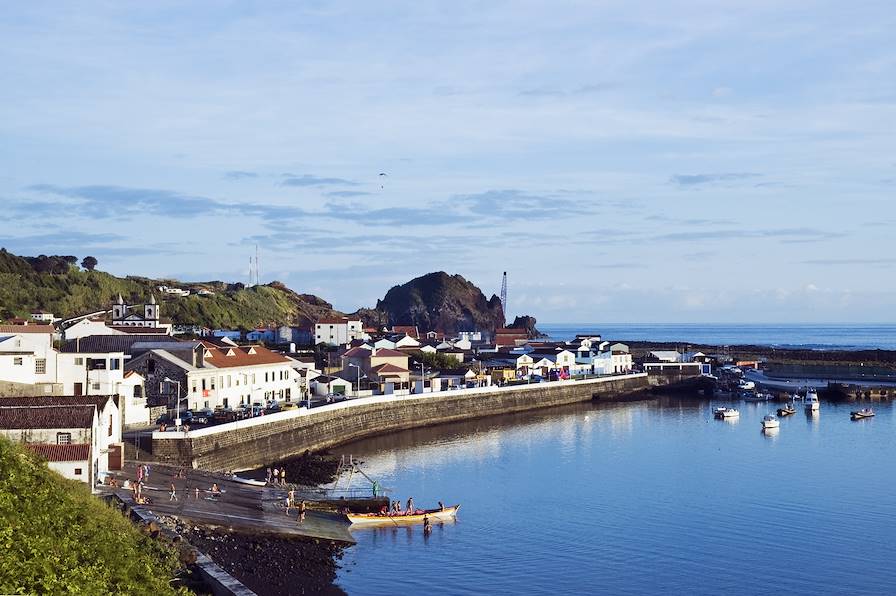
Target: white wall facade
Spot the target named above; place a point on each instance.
(233, 386)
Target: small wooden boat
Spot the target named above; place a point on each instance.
(862, 414)
(378, 519)
(248, 481)
(787, 410)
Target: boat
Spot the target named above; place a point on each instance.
(248, 481)
(381, 519)
(769, 421)
(811, 401)
(758, 396)
(862, 414)
(786, 410)
(747, 385)
(722, 413)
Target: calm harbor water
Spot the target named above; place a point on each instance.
(637, 498)
(809, 336)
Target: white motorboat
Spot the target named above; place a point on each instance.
(722, 413)
(770, 421)
(862, 414)
(811, 401)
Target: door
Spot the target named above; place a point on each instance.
(79, 389)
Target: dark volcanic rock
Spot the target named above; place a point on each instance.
(528, 323)
(270, 564)
(441, 302)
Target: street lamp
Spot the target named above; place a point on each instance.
(358, 386)
(176, 402)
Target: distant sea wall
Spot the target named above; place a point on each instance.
(258, 441)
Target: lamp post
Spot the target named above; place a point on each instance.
(176, 401)
(358, 386)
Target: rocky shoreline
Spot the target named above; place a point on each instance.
(271, 565)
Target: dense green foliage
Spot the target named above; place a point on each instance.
(55, 537)
(437, 360)
(55, 284)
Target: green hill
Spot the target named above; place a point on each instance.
(57, 538)
(56, 284)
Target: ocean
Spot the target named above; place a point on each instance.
(841, 336)
(653, 497)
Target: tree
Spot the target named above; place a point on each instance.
(89, 263)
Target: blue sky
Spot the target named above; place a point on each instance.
(623, 161)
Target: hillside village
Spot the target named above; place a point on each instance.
(71, 388)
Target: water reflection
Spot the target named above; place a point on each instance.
(626, 497)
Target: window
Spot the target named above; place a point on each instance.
(77, 471)
(193, 386)
(213, 382)
(79, 362)
(114, 364)
(63, 438)
(17, 361)
(138, 391)
(110, 425)
(225, 402)
(228, 381)
(288, 394)
(205, 404)
(40, 366)
(95, 386)
(203, 385)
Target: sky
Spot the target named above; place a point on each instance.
(666, 161)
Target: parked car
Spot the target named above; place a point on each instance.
(272, 409)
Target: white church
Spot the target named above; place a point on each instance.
(123, 317)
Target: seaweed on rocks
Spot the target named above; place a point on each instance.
(310, 468)
(269, 564)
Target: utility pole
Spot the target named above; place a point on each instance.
(504, 297)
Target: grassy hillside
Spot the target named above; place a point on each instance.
(57, 538)
(65, 290)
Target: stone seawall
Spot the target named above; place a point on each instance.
(256, 442)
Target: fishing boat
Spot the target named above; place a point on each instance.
(769, 421)
(811, 401)
(722, 413)
(382, 519)
(248, 481)
(862, 414)
(787, 410)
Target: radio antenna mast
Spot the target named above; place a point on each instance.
(504, 296)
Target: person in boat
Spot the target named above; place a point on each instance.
(410, 510)
(383, 511)
(441, 506)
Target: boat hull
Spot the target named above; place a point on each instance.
(373, 519)
(248, 481)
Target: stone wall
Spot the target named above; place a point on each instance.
(260, 443)
(11, 389)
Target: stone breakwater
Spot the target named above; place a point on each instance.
(256, 442)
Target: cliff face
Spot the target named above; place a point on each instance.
(528, 323)
(441, 302)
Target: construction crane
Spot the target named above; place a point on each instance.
(504, 295)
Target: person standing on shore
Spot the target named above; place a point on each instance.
(302, 508)
(276, 479)
(173, 495)
(283, 477)
(267, 478)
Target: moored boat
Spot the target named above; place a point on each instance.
(861, 414)
(786, 410)
(811, 401)
(380, 519)
(758, 396)
(769, 421)
(721, 413)
(248, 481)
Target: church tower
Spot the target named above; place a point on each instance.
(119, 309)
(151, 312)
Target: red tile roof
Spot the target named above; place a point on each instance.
(388, 368)
(334, 321)
(358, 352)
(387, 353)
(73, 452)
(240, 356)
(27, 329)
(410, 330)
(16, 417)
(135, 330)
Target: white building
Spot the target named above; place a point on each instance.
(212, 376)
(338, 331)
(42, 317)
(79, 436)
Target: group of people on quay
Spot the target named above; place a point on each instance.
(276, 476)
(291, 503)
